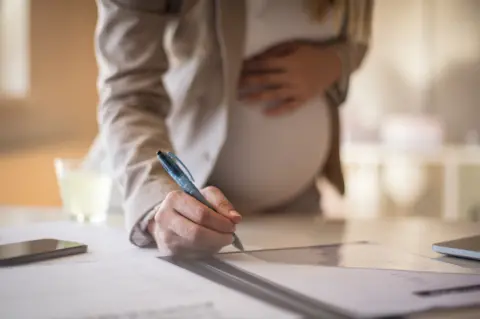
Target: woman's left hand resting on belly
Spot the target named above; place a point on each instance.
(289, 75)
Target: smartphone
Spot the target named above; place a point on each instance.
(468, 247)
(38, 250)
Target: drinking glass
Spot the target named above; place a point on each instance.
(85, 193)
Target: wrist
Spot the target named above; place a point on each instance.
(148, 222)
(151, 223)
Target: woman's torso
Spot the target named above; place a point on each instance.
(267, 161)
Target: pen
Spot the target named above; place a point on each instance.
(169, 162)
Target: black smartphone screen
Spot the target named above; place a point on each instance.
(36, 250)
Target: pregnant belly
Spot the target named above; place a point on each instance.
(266, 161)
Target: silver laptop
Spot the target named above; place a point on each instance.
(468, 247)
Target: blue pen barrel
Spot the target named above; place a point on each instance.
(171, 168)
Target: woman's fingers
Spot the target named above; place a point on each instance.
(198, 213)
(221, 204)
(178, 232)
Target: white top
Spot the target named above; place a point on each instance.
(267, 161)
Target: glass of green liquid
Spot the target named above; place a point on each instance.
(85, 193)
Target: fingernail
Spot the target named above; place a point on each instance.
(235, 214)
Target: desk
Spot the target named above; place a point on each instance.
(412, 234)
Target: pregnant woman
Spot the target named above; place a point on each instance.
(245, 92)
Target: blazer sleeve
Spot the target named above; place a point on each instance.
(353, 48)
(352, 52)
(133, 103)
(359, 31)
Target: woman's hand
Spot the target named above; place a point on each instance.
(289, 75)
(185, 226)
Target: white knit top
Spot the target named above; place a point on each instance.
(267, 161)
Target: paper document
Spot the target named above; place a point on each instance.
(114, 279)
(363, 292)
(119, 286)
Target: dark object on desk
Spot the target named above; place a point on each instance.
(468, 247)
(38, 250)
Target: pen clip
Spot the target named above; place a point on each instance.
(178, 161)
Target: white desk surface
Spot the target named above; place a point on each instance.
(409, 234)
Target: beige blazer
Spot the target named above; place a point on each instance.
(166, 80)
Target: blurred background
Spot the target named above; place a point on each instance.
(411, 124)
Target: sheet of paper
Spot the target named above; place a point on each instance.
(114, 279)
(116, 285)
(367, 292)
